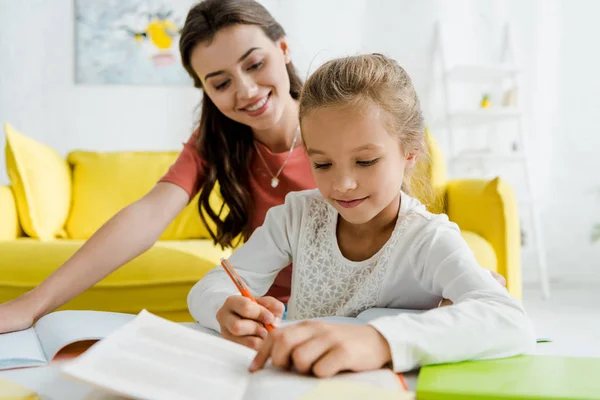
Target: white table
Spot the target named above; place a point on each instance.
(49, 383)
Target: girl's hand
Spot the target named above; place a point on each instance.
(324, 348)
(499, 278)
(242, 320)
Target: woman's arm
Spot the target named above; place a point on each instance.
(484, 322)
(128, 234)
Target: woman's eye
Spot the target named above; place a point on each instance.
(221, 86)
(367, 163)
(255, 66)
(321, 166)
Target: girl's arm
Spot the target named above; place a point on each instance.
(258, 261)
(128, 234)
(484, 322)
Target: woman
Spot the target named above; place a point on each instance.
(248, 140)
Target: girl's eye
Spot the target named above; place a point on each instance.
(321, 166)
(367, 163)
(255, 66)
(221, 86)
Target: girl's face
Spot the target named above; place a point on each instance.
(244, 74)
(357, 164)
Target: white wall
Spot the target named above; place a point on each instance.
(559, 87)
(572, 203)
(38, 95)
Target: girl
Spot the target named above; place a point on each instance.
(362, 241)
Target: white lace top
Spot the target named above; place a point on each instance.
(424, 260)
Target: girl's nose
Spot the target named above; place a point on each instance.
(344, 183)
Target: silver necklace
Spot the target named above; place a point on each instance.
(275, 178)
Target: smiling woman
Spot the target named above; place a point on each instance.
(247, 143)
(250, 91)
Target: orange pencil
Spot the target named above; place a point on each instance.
(241, 286)
(403, 382)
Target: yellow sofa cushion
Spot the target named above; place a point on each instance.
(41, 181)
(105, 183)
(9, 220)
(482, 249)
(158, 280)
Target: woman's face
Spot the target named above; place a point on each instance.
(244, 74)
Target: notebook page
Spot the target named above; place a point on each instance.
(373, 313)
(348, 390)
(197, 327)
(334, 319)
(61, 328)
(21, 349)
(152, 358)
(277, 384)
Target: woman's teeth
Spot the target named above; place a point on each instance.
(258, 105)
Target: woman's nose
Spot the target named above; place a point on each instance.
(247, 88)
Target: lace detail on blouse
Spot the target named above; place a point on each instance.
(325, 282)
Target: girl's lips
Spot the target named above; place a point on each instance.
(351, 203)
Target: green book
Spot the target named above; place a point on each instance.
(530, 377)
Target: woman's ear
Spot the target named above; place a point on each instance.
(285, 48)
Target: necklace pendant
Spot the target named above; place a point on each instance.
(274, 182)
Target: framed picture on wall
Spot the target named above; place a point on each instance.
(129, 41)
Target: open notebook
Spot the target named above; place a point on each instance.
(153, 358)
(363, 317)
(38, 345)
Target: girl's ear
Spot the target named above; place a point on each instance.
(285, 48)
(411, 159)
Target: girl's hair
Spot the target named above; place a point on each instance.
(374, 79)
(224, 144)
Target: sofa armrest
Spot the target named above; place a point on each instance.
(9, 219)
(490, 209)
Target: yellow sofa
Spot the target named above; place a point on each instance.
(87, 188)
(487, 213)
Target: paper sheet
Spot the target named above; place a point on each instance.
(347, 390)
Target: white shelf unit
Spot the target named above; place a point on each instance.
(492, 158)
(480, 72)
(467, 119)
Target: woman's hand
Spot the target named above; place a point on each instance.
(18, 314)
(324, 349)
(242, 320)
